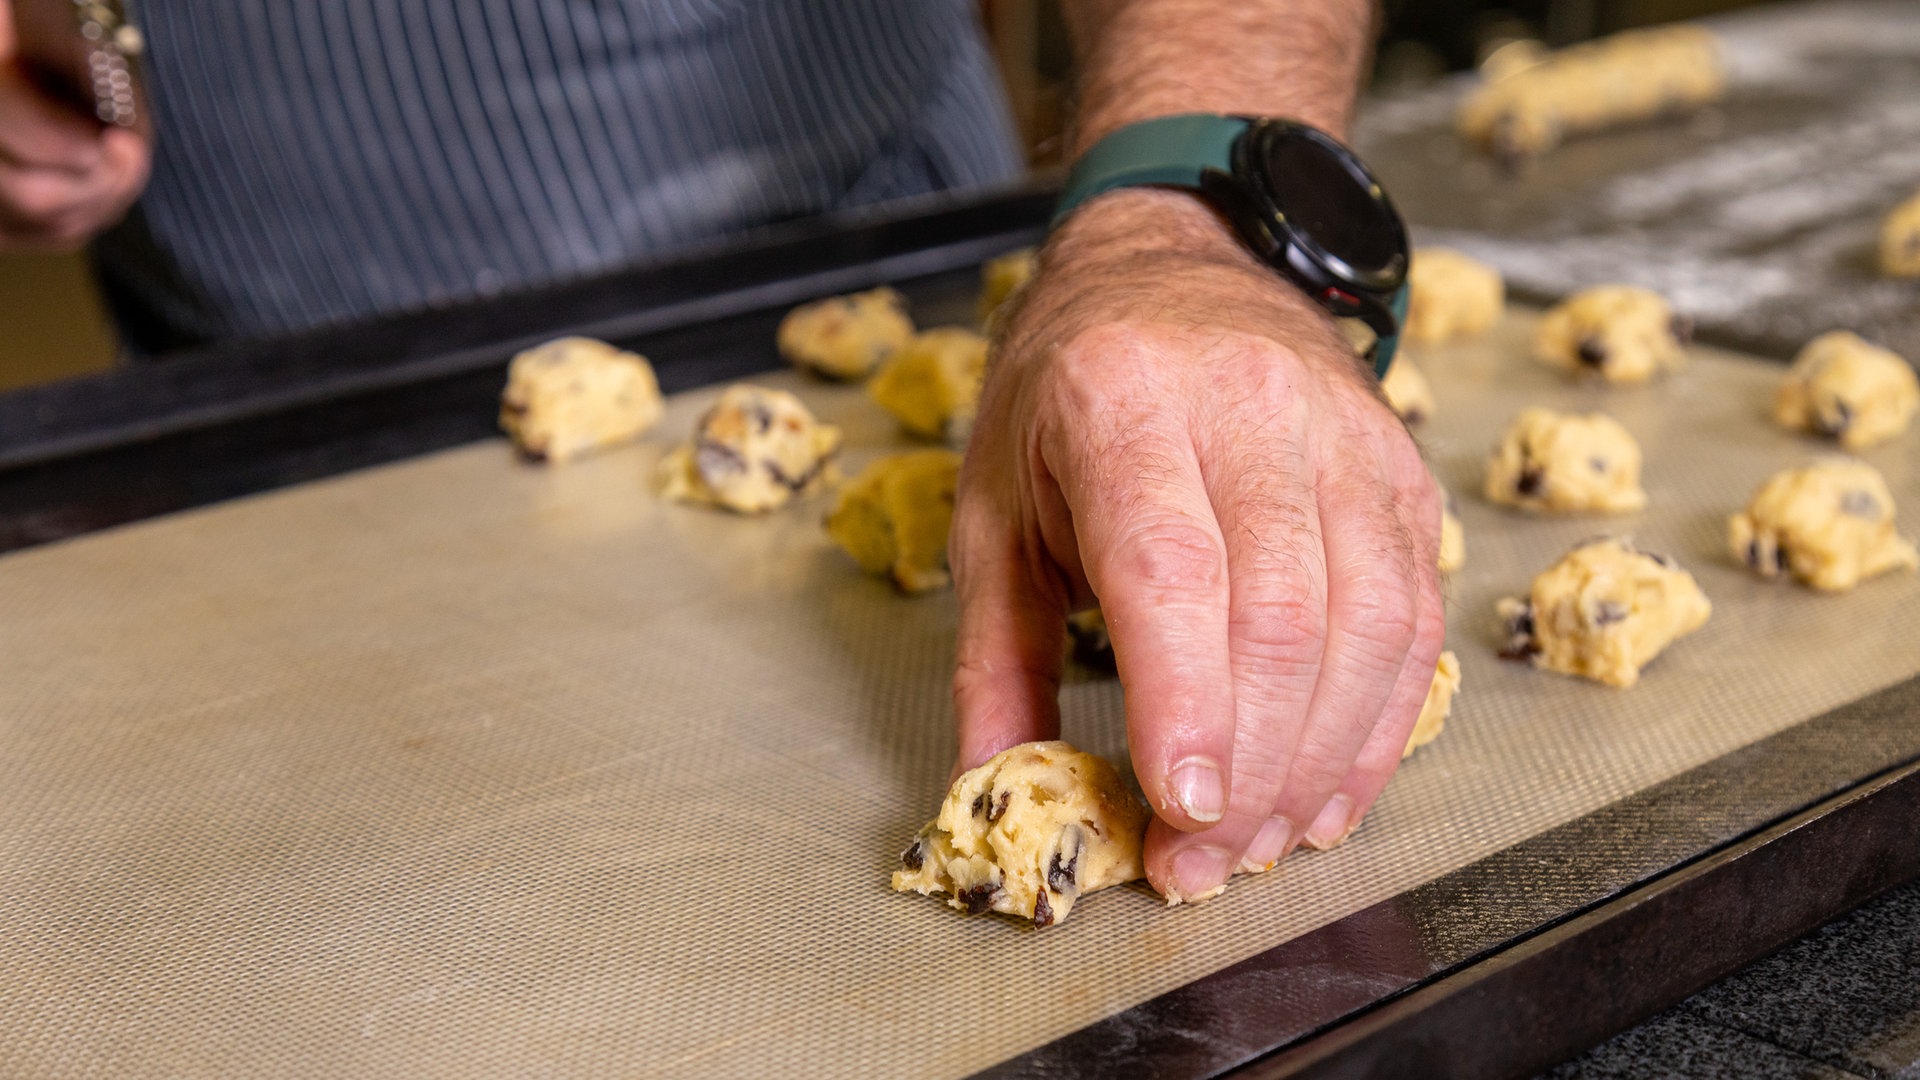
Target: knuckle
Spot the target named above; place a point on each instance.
(1172, 554)
(1279, 627)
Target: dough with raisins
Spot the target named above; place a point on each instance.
(893, 518)
(845, 337)
(1438, 706)
(1407, 391)
(1621, 333)
(1850, 391)
(1450, 295)
(1829, 525)
(1027, 834)
(1565, 462)
(933, 383)
(1900, 240)
(1604, 611)
(575, 395)
(1628, 77)
(1002, 277)
(753, 451)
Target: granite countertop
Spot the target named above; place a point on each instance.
(1844, 1001)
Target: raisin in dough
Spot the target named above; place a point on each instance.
(1453, 536)
(933, 383)
(1438, 706)
(845, 337)
(1621, 333)
(1558, 462)
(1830, 525)
(753, 451)
(1900, 240)
(1407, 391)
(893, 518)
(1603, 611)
(576, 395)
(1002, 277)
(1628, 77)
(1030, 832)
(1847, 390)
(1450, 295)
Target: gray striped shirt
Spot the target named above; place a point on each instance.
(319, 160)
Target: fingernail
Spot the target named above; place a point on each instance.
(1268, 845)
(1199, 870)
(1333, 824)
(1199, 789)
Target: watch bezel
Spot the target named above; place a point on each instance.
(1287, 246)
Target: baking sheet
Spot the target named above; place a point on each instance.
(459, 767)
(1760, 216)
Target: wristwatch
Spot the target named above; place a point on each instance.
(1303, 202)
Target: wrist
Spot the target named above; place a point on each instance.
(1126, 224)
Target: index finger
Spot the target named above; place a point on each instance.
(1155, 557)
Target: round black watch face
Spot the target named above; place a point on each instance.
(1325, 196)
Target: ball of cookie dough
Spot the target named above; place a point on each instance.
(1621, 333)
(1830, 525)
(1453, 535)
(575, 395)
(753, 451)
(1604, 611)
(893, 518)
(1628, 77)
(1560, 462)
(933, 383)
(1900, 240)
(1030, 832)
(1438, 706)
(1002, 277)
(845, 337)
(1848, 390)
(1407, 391)
(1450, 295)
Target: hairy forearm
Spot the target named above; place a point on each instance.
(1145, 58)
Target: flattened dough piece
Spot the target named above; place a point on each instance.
(845, 337)
(1453, 536)
(1900, 240)
(1563, 462)
(1000, 278)
(1621, 333)
(753, 451)
(1450, 295)
(1628, 77)
(893, 518)
(1438, 706)
(1407, 391)
(574, 395)
(1830, 525)
(1603, 611)
(1849, 390)
(1030, 832)
(933, 383)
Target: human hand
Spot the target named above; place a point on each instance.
(64, 176)
(1171, 430)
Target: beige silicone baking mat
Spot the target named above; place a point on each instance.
(464, 768)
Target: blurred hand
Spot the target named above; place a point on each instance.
(1170, 429)
(64, 176)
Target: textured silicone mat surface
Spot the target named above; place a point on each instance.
(465, 768)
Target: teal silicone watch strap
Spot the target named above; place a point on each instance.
(1171, 150)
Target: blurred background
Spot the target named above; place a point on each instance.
(52, 323)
